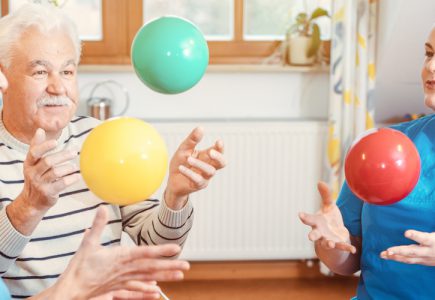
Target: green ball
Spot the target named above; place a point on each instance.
(169, 55)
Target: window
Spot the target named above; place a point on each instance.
(211, 16)
(79, 10)
(107, 27)
(237, 31)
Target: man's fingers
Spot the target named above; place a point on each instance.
(134, 295)
(155, 265)
(60, 171)
(192, 139)
(48, 162)
(423, 238)
(39, 146)
(218, 159)
(207, 170)
(164, 275)
(167, 250)
(219, 146)
(142, 287)
(197, 179)
(38, 138)
(100, 221)
(59, 185)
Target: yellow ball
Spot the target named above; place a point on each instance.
(123, 160)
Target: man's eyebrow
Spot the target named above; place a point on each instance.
(38, 62)
(428, 45)
(69, 62)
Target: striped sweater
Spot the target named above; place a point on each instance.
(29, 264)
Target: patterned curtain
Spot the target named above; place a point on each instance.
(351, 109)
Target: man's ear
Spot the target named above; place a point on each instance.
(3, 80)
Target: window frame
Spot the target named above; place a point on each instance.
(122, 19)
(239, 50)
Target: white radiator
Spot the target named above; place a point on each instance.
(249, 210)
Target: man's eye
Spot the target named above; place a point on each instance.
(40, 73)
(428, 54)
(68, 73)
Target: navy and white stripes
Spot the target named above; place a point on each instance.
(30, 264)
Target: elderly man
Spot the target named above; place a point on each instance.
(123, 272)
(45, 206)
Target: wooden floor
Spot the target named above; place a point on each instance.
(259, 281)
(305, 289)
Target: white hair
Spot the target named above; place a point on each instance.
(44, 17)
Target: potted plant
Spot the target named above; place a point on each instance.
(303, 38)
(57, 3)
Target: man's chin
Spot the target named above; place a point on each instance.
(55, 125)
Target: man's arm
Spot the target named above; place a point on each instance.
(190, 170)
(12, 242)
(45, 176)
(152, 222)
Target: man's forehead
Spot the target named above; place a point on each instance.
(48, 64)
(43, 62)
(32, 39)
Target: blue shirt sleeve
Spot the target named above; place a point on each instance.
(350, 207)
(4, 293)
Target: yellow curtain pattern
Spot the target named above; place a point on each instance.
(353, 72)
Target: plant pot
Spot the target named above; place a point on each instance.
(325, 52)
(298, 48)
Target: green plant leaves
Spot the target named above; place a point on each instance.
(317, 13)
(301, 18)
(315, 41)
(307, 27)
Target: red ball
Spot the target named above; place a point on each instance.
(382, 167)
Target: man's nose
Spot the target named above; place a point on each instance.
(55, 85)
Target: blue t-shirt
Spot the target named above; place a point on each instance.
(4, 293)
(381, 227)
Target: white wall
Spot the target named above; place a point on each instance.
(403, 29)
(223, 95)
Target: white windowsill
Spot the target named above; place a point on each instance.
(224, 68)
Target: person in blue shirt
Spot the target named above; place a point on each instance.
(392, 245)
(4, 293)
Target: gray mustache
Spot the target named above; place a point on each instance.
(54, 100)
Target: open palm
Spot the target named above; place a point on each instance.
(327, 227)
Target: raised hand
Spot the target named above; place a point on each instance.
(327, 228)
(118, 272)
(422, 253)
(190, 170)
(46, 175)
